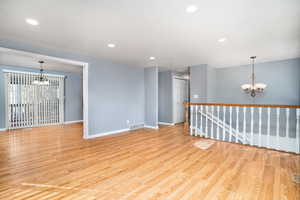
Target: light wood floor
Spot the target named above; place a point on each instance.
(56, 163)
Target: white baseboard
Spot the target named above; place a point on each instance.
(107, 133)
(153, 127)
(72, 122)
(3, 129)
(116, 132)
(166, 123)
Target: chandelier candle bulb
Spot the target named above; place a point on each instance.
(253, 88)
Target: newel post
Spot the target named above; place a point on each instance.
(186, 119)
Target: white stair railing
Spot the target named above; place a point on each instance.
(271, 126)
(239, 137)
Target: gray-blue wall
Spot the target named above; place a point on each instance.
(151, 96)
(223, 85)
(116, 94)
(73, 94)
(73, 97)
(165, 97)
(115, 91)
(198, 83)
(282, 79)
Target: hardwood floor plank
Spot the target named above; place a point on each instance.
(56, 163)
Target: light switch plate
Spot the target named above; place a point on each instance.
(195, 96)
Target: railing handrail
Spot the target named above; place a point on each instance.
(245, 105)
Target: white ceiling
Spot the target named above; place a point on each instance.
(269, 29)
(23, 59)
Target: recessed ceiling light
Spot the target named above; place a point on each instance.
(222, 40)
(152, 58)
(111, 45)
(191, 9)
(32, 22)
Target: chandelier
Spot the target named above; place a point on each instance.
(41, 79)
(253, 88)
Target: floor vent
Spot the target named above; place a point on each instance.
(204, 144)
(136, 126)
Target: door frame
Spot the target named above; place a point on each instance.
(85, 82)
(173, 95)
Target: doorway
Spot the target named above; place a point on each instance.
(180, 96)
(18, 58)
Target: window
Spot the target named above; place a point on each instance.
(29, 105)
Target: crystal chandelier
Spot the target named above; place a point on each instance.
(253, 88)
(41, 79)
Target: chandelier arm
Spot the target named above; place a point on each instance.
(42, 80)
(253, 88)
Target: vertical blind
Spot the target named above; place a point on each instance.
(29, 105)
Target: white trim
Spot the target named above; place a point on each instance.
(3, 129)
(43, 57)
(85, 80)
(174, 104)
(173, 98)
(181, 78)
(107, 133)
(85, 100)
(166, 123)
(73, 122)
(152, 127)
(156, 107)
(33, 73)
(6, 100)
